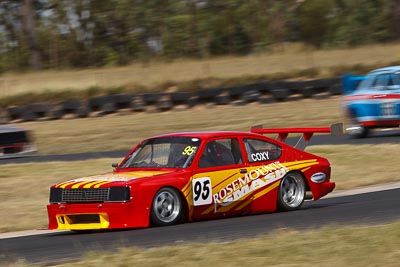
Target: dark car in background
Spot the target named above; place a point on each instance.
(15, 142)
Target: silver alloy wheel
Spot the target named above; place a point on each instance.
(291, 191)
(167, 207)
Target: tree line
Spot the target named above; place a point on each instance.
(52, 34)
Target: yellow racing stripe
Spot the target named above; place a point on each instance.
(77, 185)
(101, 183)
(64, 185)
(89, 185)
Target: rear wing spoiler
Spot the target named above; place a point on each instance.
(350, 82)
(335, 130)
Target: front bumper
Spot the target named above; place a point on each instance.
(92, 216)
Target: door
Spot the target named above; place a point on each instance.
(218, 180)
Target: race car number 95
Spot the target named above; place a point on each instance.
(202, 191)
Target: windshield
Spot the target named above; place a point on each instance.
(164, 152)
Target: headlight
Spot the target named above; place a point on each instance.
(119, 194)
(55, 195)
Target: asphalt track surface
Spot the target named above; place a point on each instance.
(360, 209)
(379, 137)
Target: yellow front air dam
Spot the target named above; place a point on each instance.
(72, 221)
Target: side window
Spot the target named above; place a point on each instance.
(220, 153)
(385, 81)
(395, 79)
(260, 150)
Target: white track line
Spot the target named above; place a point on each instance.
(364, 189)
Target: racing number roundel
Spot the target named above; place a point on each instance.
(202, 191)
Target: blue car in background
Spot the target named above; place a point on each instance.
(372, 101)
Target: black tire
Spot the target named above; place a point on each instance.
(70, 106)
(309, 92)
(167, 207)
(207, 95)
(82, 112)
(95, 103)
(15, 113)
(122, 101)
(151, 98)
(179, 98)
(251, 96)
(164, 105)
(236, 92)
(292, 192)
(222, 100)
(29, 115)
(280, 94)
(108, 108)
(57, 114)
(138, 106)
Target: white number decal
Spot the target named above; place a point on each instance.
(202, 191)
(388, 108)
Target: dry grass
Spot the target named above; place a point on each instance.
(117, 132)
(293, 58)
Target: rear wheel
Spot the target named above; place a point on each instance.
(355, 129)
(167, 207)
(292, 190)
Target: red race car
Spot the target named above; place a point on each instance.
(191, 176)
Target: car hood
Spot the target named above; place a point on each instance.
(109, 179)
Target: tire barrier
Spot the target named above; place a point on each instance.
(35, 112)
(208, 95)
(263, 92)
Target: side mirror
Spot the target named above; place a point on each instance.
(114, 165)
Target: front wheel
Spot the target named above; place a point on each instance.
(292, 191)
(167, 207)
